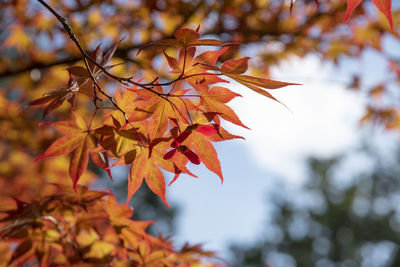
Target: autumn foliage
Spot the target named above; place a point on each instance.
(155, 122)
(152, 126)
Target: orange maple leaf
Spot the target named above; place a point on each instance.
(55, 98)
(161, 110)
(235, 68)
(77, 141)
(145, 168)
(213, 99)
(190, 66)
(186, 38)
(200, 144)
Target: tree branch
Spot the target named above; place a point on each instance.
(124, 81)
(120, 53)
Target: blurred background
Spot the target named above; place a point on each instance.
(315, 183)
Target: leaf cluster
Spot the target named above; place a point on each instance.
(85, 227)
(154, 122)
(155, 126)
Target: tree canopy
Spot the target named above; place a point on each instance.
(145, 84)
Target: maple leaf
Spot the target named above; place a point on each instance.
(56, 97)
(120, 141)
(384, 6)
(101, 160)
(23, 214)
(127, 102)
(185, 151)
(84, 76)
(77, 141)
(235, 68)
(79, 81)
(161, 110)
(194, 144)
(221, 133)
(196, 138)
(351, 5)
(206, 130)
(99, 57)
(190, 67)
(214, 100)
(199, 143)
(186, 38)
(145, 168)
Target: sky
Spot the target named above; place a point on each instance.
(322, 119)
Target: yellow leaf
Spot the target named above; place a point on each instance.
(18, 38)
(100, 249)
(85, 238)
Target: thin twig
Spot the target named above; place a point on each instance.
(68, 29)
(95, 97)
(72, 36)
(122, 80)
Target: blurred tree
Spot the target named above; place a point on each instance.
(343, 220)
(35, 51)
